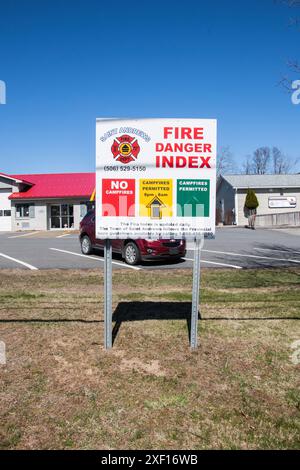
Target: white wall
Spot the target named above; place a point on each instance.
(226, 193)
(40, 221)
(6, 189)
(37, 222)
(5, 205)
(263, 199)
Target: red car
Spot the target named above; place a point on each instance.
(133, 251)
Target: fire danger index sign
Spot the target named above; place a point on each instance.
(155, 178)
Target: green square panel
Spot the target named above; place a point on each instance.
(192, 198)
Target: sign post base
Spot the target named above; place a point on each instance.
(199, 242)
(107, 294)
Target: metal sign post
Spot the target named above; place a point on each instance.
(107, 294)
(199, 242)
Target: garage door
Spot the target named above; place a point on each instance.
(5, 210)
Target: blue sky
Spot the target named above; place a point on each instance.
(67, 62)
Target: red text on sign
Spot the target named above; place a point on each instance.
(182, 162)
(183, 133)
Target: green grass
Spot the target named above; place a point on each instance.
(61, 390)
(17, 295)
(166, 402)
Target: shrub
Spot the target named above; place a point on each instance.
(251, 201)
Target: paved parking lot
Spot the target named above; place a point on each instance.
(233, 247)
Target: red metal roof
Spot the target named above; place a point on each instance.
(56, 185)
(13, 178)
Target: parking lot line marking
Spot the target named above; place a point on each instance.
(77, 254)
(29, 266)
(64, 235)
(94, 257)
(252, 256)
(277, 251)
(126, 265)
(23, 235)
(214, 262)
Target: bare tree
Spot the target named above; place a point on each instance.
(266, 160)
(293, 65)
(247, 166)
(225, 161)
(260, 161)
(290, 3)
(281, 165)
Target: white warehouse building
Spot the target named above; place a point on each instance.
(278, 197)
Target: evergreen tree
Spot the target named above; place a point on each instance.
(251, 201)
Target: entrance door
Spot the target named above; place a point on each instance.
(5, 210)
(61, 216)
(55, 216)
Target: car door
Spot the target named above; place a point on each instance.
(117, 245)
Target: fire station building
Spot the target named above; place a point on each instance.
(44, 201)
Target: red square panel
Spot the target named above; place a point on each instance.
(118, 197)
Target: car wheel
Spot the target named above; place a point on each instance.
(132, 254)
(86, 245)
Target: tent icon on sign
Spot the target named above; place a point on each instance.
(155, 206)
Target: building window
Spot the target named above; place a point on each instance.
(5, 213)
(22, 210)
(61, 216)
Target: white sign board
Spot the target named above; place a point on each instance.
(282, 202)
(156, 178)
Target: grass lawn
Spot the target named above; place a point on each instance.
(60, 389)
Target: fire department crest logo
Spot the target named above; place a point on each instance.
(125, 149)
